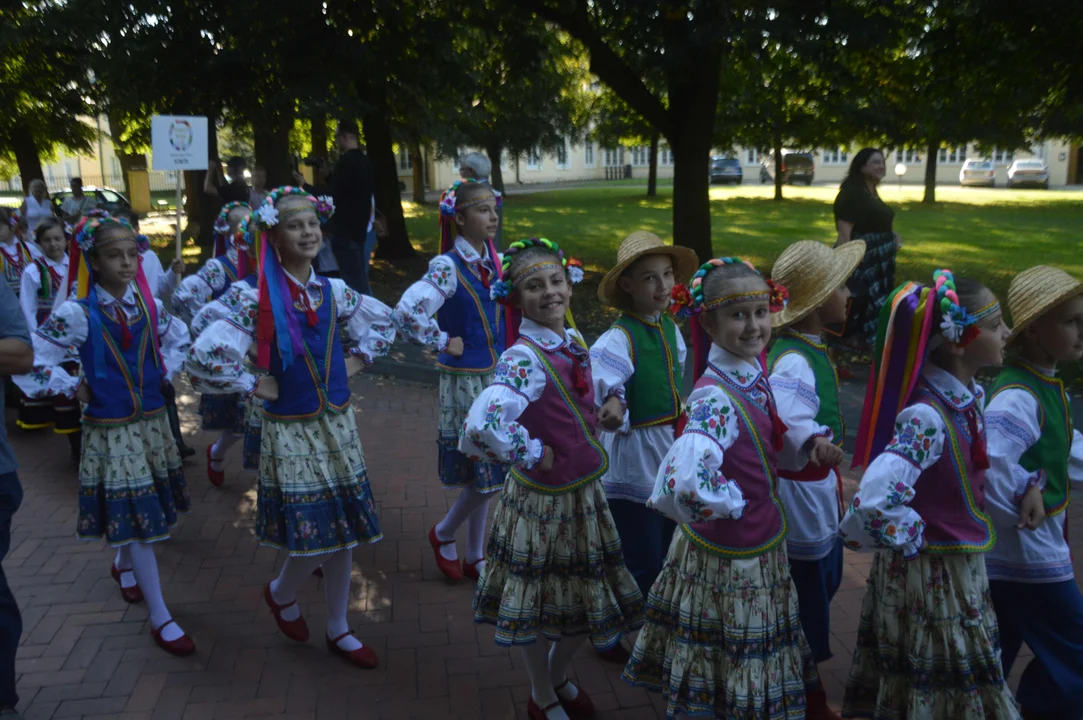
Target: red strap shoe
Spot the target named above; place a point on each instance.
(180, 647)
(293, 629)
(131, 595)
(217, 477)
(470, 570)
(450, 568)
(538, 713)
(579, 709)
(363, 657)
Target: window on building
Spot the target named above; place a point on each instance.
(641, 155)
(909, 157)
(835, 156)
(953, 156)
(614, 156)
(405, 161)
(533, 159)
(562, 154)
(752, 157)
(1004, 156)
(588, 154)
(665, 156)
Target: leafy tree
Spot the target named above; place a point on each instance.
(618, 124)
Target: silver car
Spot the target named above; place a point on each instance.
(1031, 171)
(978, 173)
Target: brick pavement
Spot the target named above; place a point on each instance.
(86, 653)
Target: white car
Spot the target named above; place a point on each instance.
(1031, 171)
(978, 173)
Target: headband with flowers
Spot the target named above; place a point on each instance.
(14, 216)
(267, 214)
(449, 205)
(222, 237)
(957, 324)
(688, 301)
(501, 289)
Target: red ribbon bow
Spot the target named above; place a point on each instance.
(301, 298)
(977, 442)
(125, 332)
(579, 377)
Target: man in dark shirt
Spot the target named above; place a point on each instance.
(236, 190)
(352, 190)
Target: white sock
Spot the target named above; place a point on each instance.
(145, 568)
(123, 562)
(336, 588)
(464, 506)
(221, 446)
(295, 570)
(475, 534)
(541, 687)
(560, 657)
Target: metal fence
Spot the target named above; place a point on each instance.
(160, 181)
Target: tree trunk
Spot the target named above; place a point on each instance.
(652, 172)
(495, 152)
(26, 155)
(201, 209)
(418, 165)
(931, 158)
(779, 164)
(381, 152)
(318, 136)
(271, 140)
(128, 161)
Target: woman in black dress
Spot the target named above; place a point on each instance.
(860, 214)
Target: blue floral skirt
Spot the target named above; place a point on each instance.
(253, 432)
(457, 394)
(131, 482)
(313, 492)
(223, 412)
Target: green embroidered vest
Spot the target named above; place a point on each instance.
(1054, 444)
(827, 379)
(653, 393)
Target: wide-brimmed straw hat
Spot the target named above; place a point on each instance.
(811, 271)
(635, 246)
(1036, 291)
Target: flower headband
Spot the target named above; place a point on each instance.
(14, 216)
(221, 223)
(449, 204)
(268, 215)
(957, 324)
(688, 301)
(87, 230)
(501, 289)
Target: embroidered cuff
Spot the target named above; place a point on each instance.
(250, 382)
(912, 550)
(442, 341)
(357, 352)
(535, 451)
(1037, 479)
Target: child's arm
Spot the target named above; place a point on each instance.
(491, 433)
(368, 322)
(66, 328)
(195, 291)
(880, 516)
(415, 313)
(226, 304)
(611, 367)
(690, 486)
(1012, 426)
(29, 285)
(174, 341)
(216, 360)
(794, 386)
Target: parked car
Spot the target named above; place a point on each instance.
(106, 199)
(1031, 171)
(796, 167)
(726, 170)
(978, 173)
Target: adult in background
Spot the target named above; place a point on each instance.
(325, 263)
(476, 166)
(258, 191)
(16, 358)
(860, 214)
(236, 190)
(77, 205)
(352, 188)
(36, 206)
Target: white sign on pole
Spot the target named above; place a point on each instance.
(179, 142)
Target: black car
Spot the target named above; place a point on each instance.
(726, 170)
(796, 167)
(106, 199)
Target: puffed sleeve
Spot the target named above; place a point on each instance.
(611, 367)
(174, 340)
(226, 304)
(415, 313)
(690, 486)
(491, 433)
(880, 516)
(368, 322)
(1012, 427)
(794, 386)
(1075, 458)
(64, 329)
(216, 360)
(195, 291)
(29, 285)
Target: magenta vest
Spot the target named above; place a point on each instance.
(751, 463)
(565, 421)
(950, 496)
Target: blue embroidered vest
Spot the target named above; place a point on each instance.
(472, 315)
(132, 387)
(316, 381)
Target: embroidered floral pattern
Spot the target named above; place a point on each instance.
(516, 374)
(913, 441)
(709, 416)
(442, 276)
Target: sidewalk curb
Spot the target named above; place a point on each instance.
(424, 373)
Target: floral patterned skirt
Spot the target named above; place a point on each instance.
(457, 394)
(223, 412)
(253, 432)
(555, 568)
(131, 482)
(313, 492)
(927, 643)
(723, 637)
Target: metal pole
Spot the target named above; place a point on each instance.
(180, 182)
(101, 158)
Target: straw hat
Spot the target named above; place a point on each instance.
(811, 271)
(635, 246)
(1037, 290)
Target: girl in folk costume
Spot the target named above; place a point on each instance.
(927, 643)
(43, 281)
(450, 310)
(723, 637)
(313, 492)
(554, 569)
(223, 413)
(131, 482)
(637, 366)
(15, 254)
(161, 282)
(806, 387)
(1034, 453)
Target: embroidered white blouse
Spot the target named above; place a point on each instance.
(880, 516)
(811, 506)
(222, 306)
(30, 284)
(196, 290)
(67, 328)
(160, 281)
(634, 455)
(1013, 423)
(491, 433)
(415, 314)
(690, 486)
(216, 361)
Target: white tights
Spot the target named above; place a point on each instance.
(221, 446)
(140, 559)
(337, 567)
(548, 668)
(471, 507)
